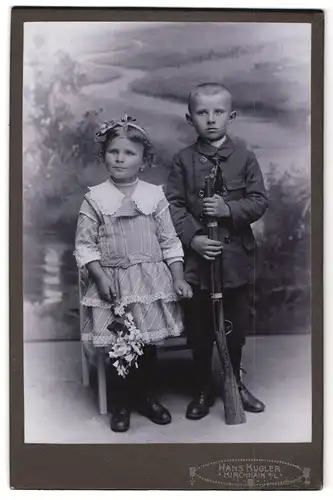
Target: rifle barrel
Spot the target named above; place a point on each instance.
(233, 407)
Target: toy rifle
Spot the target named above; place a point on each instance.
(233, 407)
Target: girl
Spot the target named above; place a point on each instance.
(126, 241)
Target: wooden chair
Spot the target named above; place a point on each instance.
(91, 355)
(97, 357)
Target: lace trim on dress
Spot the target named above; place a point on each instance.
(148, 337)
(109, 198)
(130, 299)
(147, 196)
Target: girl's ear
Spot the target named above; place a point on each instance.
(148, 161)
(101, 157)
(145, 163)
(189, 119)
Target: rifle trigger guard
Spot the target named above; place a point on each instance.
(228, 327)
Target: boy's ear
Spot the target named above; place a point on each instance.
(189, 119)
(232, 116)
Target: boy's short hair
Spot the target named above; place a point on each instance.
(208, 89)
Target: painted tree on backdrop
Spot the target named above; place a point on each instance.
(283, 285)
(57, 145)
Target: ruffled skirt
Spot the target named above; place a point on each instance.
(147, 291)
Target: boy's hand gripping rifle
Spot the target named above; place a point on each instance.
(233, 407)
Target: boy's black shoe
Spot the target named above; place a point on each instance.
(199, 406)
(151, 408)
(250, 402)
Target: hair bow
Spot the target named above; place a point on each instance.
(125, 122)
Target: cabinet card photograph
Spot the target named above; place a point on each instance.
(166, 236)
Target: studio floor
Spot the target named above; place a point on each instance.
(58, 409)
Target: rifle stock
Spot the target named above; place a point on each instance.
(233, 407)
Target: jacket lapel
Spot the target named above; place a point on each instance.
(208, 150)
(203, 163)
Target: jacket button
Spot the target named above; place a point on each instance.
(201, 193)
(227, 239)
(203, 159)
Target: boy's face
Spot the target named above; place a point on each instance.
(211, 115)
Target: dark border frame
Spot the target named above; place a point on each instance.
(155, 466)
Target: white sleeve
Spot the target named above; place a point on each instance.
(171, 246)
(86, 238)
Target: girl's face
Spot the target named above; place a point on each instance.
(123, 159)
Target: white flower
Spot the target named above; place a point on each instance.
(137, 349)
(122, 350)
(131, 337)
(119, 310)
(128, 343)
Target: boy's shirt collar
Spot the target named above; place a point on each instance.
(206, 149)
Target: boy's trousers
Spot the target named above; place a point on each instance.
(200, 331)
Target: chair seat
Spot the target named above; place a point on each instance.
(172, 344)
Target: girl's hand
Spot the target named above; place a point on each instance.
(105, 288)
(183, 289)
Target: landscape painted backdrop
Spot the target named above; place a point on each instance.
(76, 75)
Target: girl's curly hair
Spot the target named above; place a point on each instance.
(125, 128)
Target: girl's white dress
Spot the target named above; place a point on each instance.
(134, 239)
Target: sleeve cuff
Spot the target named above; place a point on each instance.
(192, 228)
(83, 258)
(171, 260)
(233, 212)
(175, 251)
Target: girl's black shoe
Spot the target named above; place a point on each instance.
(151, 408)
(120, 419)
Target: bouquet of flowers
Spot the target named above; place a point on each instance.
(129, 343)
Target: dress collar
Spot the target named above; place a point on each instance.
(109, 198)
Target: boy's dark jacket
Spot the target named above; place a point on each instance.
(245, 194)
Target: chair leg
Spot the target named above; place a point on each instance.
(101, 373)
(85, 367)
(84, 359)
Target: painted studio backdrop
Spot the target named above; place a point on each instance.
(76, 75)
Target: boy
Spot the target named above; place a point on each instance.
(240, 199)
